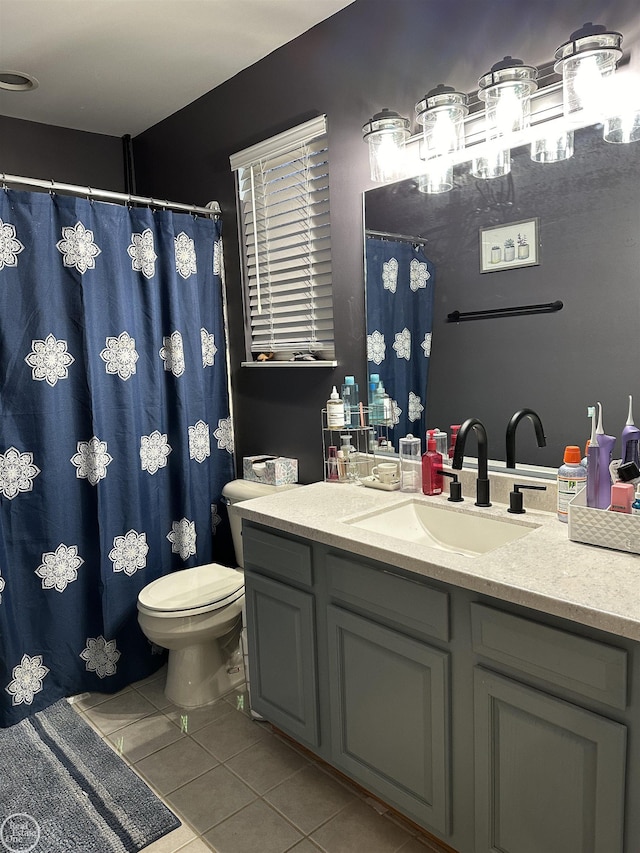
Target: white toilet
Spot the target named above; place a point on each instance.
(197, 614)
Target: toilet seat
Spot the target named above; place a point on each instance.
(190, 592)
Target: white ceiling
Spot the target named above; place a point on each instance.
(119, 66)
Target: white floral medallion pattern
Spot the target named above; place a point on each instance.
(129, 552)
(172, 353)
(185, 255)
(224, 435)
(77, 248)
(426, 344)
(215, 521)
(17, 472)
(217, 257)
(91, 460)
(419, 275)
(154, 450)
(390, 275)
(209, 348)
(49, 360)
(415, 407)
(10, 246)
(402, 344)
(120, 355)
(142, 253)
(100, 656)
(183, 538)
(27, 678)
(376, 347)
(60, 567)
(2, 583)
(199, 442)
(396, 411)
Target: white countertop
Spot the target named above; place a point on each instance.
(543, 570)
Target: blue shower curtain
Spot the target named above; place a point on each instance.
(115, 434)
(400, 285)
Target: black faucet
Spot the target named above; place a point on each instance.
(482, 483)
(511, 433)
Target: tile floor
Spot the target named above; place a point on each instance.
(237, 786)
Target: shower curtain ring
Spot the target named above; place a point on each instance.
(52, 190)
(89, 195)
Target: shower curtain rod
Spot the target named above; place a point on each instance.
(404, 238)
(212, 209)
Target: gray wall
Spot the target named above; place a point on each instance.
(374, 53)
(43, 151)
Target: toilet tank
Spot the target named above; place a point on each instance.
(243, 490)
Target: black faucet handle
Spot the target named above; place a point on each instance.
(515, 497)
(455, 487)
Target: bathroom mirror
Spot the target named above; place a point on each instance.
(560, 362)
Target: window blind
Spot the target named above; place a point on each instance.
(283, 213)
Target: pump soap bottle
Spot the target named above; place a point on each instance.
(432, 480)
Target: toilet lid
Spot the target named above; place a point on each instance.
(211, 586)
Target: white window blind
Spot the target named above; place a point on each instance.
(283, 195)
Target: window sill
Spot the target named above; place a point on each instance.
(273, 363)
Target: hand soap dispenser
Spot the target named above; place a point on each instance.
(432, 470)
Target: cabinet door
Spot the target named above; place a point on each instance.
(390, 715)
(282, 656)
(550, 776)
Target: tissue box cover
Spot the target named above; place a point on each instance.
(273, 470)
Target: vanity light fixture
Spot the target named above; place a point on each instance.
(441, 113)
(523, 105)
(506, 91)
(585, 62)
(386, 133)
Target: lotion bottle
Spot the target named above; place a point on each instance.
(432, 479)
(635, 506)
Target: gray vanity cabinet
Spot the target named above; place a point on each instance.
(497, 729)
(549, 774)
(282, 633)
(390, 715)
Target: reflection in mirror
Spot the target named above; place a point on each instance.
(587, 211)
(400, 280)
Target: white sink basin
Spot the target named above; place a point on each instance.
(461, 532)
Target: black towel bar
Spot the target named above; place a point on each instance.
(541, 308)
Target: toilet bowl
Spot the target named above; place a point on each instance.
(197, 615)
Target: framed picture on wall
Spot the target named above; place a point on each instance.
(506, 247)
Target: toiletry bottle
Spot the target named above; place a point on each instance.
(409, 464)
(606, 443)
(571, 478)
(635, 506)
(432, 470)
(350, 457)
(332, 463)
(374, 378)
(335, 410)
(622, 495)
(351, 400)
(452, 443)
(631, 438)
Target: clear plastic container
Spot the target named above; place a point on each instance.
(410, 464)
